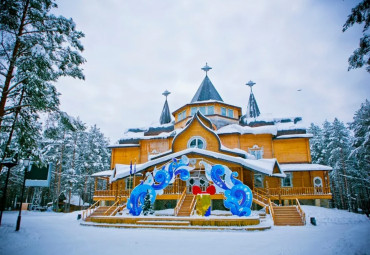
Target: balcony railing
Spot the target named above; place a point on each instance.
(273, 193)
(126, 193)
(112, 193)
(295, 191)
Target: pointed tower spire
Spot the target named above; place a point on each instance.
(252, 108)
(165, 115)
(206, 90)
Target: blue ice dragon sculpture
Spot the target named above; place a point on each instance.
(156, 182)
(238, 196)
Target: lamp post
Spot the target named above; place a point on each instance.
(26, 164)
(8, 163)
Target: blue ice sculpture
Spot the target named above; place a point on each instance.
(155, 185)
(238, 196)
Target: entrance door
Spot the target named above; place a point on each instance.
(197, 178)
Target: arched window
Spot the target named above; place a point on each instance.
(197, 142)
(317, 182)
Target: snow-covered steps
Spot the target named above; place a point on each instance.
(287, 216)
(163, 222)
(259, 227)
(193, 221)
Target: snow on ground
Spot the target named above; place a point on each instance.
(337, 232)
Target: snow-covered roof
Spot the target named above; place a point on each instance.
(141, 135)
(236, 128)
(123, 145)
(264, 166)
(294, 136)
(103, 173)
(304, 167)
(76, 200)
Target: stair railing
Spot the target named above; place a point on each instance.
(301, 212)
(118, 209)
(111, 207)
(192, 205)
(86, 213)
(272, 210)
(179, 204)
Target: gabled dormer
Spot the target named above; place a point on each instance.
(209, 102)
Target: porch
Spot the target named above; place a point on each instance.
(174, 193)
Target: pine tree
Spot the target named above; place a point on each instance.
(339, 149)
(147, 207)
(36, 49)
(361, 56)
(316, 144)
(361, 154)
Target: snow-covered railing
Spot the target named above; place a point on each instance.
(192, 205)
(179, 204)
(110, 208)
(118, 209)
(297, 191)
(173, 189)
(111, 193)
(301, 212)
(86, 213)
(271, 210)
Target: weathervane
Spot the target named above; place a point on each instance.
(250, 84)
(166, 93)
(206, 68)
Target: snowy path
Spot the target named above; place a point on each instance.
(338, 232)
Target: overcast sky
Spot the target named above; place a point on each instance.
(137, 49)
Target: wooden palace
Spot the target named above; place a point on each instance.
(270, 155)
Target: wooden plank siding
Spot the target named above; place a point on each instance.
(124, 155)
(295, 150)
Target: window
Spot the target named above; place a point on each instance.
(193, 111)
(211, 110)
(256, 151)
(197, 142)
(202, 109)
(287, 181)
(223, 111)
(182, 115)
(230, 113)
(258, 181)
(129, 182)
(317, 182)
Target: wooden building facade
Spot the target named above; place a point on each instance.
(271, 155)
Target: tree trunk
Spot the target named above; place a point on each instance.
(17, 111)
(9, 74)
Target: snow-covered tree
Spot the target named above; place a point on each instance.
(360, 155)
(317, 144)
(36, 49)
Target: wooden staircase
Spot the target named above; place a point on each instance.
(186, 207)
(287, 216)
(98, 212)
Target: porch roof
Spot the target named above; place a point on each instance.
(103, 173)
(264, 166)
(304, 167)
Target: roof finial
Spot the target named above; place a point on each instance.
(206, 68)
(166, 93)
(250, 84)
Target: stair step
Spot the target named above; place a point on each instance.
(163, 223)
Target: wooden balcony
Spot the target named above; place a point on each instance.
(296, 192)
(174, 192)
